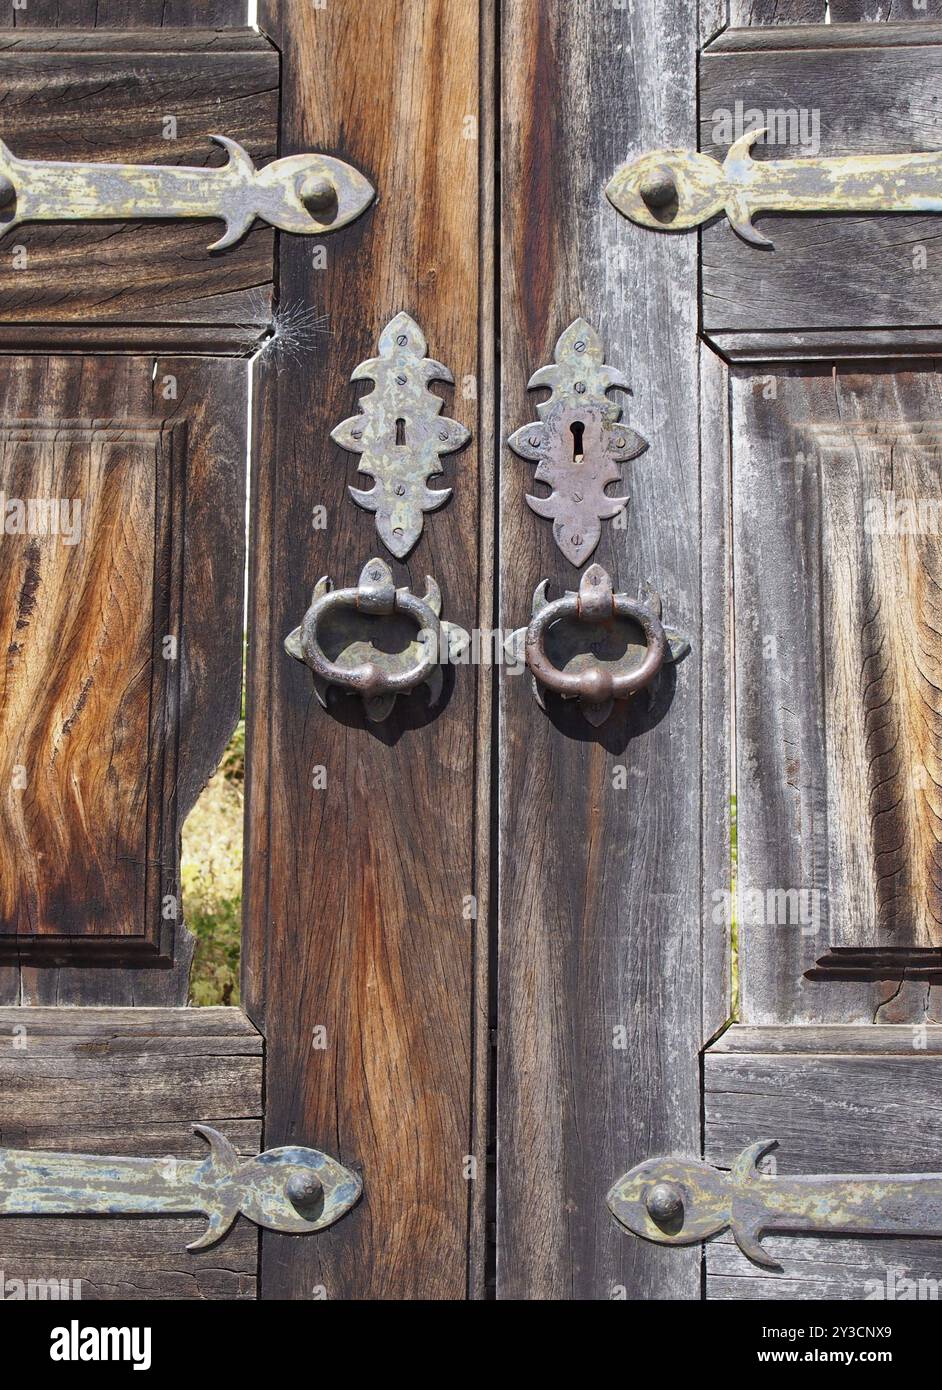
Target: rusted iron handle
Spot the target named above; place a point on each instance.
(369, 679)
(596, 684)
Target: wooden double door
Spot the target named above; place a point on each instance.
(495, 953)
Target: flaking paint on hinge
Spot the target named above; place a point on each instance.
(294, 1190)
(308, 194)
(676, 190)
(680, 1201)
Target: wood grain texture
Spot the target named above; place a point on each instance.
(358, 892)
(828, 344)
(89, 587)
(838, 680)
(870, 94)
(889, 1039)
(842, 12)
(192, 703)
(599, 887)
(108, 103)
(129, 1081)
(716, 700)
(865, 1103)
(893, 15)
(775, 12)
(836, 647)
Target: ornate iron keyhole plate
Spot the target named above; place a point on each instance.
(578, 443)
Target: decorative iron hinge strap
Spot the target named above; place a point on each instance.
(293, 1190)
(674, 190)
(309, 194)
(679, 1201)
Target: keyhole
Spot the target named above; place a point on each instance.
(578, 429)
(400, 432)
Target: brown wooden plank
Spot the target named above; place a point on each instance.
(870, 94)
(769, 12)
(110, 104)
(171, 1028)
(851, 1270)
(828, 344)
(844, 12)
(124, 14)
(175, 39)
(201, 404)
(599, 887)
(128, 1081)
(357, 891)
(225, 339)
(768, 34)
(481, 1231)
(890, 1039)
(869, 1104)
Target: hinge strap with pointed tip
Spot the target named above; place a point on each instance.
(294, 1190)
(679, 1201)
(309, 194)
(674, 190)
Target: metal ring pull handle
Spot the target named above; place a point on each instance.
(376, 676)
(595, 684)
(370, 679)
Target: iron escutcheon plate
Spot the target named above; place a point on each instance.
(400, 435)
(578, 443)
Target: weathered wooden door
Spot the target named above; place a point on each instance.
(497, 950)
(829, 410)
(124, 380)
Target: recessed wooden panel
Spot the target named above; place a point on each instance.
(112, 97)
(85, 597)
(107, 733)
(838, 281)
(838, 567)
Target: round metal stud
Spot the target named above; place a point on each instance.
(665, 1203)
(317, 193)
(658, 190)
(305, 1192)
